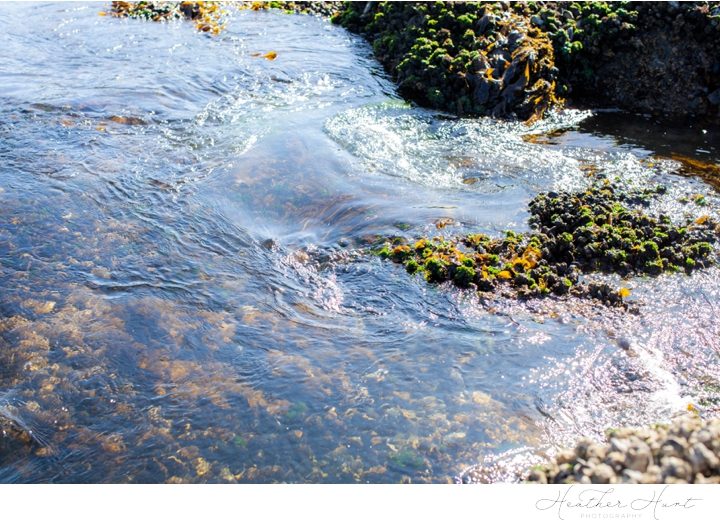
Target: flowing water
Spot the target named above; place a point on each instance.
(185, 295)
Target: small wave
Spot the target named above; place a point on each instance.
(429, 148)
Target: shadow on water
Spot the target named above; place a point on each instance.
(701, 142)
(186, 297)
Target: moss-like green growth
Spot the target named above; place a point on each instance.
(208, 16)
(574, 233)
(324, 9)
(400, 253)
(699, 200)
(475, 58)
(464, 275)
(493, 58)
(583, 34)
(412, 266)
(436, 269)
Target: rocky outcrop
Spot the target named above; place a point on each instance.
(467, 58)
(668, 65)
(597, 230)
(687, 451)
(518, 59)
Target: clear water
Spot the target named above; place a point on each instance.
(184, 294)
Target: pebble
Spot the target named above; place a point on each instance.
(686, 451)
(603, 474)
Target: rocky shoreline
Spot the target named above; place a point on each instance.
(686, 451)
(519, 59)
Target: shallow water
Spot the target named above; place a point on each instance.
(184, 294)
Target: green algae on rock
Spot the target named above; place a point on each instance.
(467, 58)
(599, 232)
(323, 9)
(508, 59)
(573, 233)
(663, 62)
(208, 16)
(583, 33)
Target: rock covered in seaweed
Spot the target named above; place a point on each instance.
(500, 59)
(467, 58)
(584, 35)
(322, 9)
(598, 232)
(208, 16)
(666, 63)
(574, 234)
